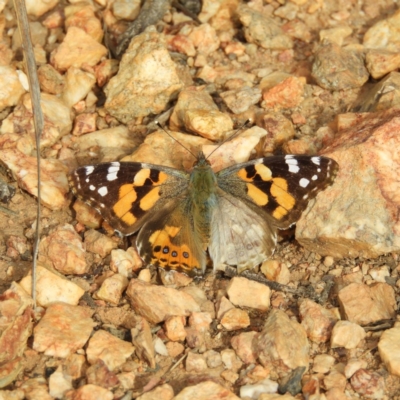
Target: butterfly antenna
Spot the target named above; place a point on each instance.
(247, 122)
(177, 141)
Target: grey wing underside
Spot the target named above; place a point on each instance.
(239, 235)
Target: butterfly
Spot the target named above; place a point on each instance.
(234, 213)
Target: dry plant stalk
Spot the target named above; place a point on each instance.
(34, 90)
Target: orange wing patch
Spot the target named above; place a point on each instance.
(168, 255)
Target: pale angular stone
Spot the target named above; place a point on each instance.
(364, 304)
(18, 127)
(146, 81)
(77, 48)
(380, 273)
(235, 319)
(205, 391)
(59, 383)
(54, 183)
(84, 123)
(245, 293)
(99, 374)
(380, 62)
(244, 345)
(337, 68)
(16, 327)
(160, 148)
(39, 7)
(157, 303)
(51, 288)
(335, 35)
(36, 388)
(87, 215)
(276, 271)
(262, 30)
(234, 151)
(162, 392)
(63, 330)
(125, 262)
(213, 358)
(174, 279)
(389, 349)
(223, 306)
(196, 112)
(83, 16)
(347, 334)
(200, 320)
(275, 350)
(143, 342)
(78, 84)
(240, 100)
(50, 80)
(108, 348)
(275, 396)
(126, 380)
(231, 360)
(75, 366)
(205, 39)
(369, 384)
(126, 9)
(384, 34)
(112, 288)
(196, 363)
(174, 328)
(280, 130)
(92, 392)
(11, 88)
(354, 217)
(175, 349)
(159, 347)
(98, 243)
(335, 380)
(317, 321)
(110, 144)
(354, 364)
(323, 363)
(286, 94)
(63, 250)
(256, 390)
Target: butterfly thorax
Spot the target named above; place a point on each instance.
(202, 189)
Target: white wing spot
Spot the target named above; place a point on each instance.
(87, 180)
(89, 169)
(314, 177)
(304, 182)
(103, 191)
(294, 168)
(305, 197)
(113, 171)
(316, 160)
(91, 187)
(319, 170)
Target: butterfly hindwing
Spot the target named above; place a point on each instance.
(125, 192)
(239, 235)
(168, 240)
(279, 186)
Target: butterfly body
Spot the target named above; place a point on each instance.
(234, 213)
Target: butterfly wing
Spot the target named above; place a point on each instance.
(168, 239)
(279, 187)
(125, 192)
(239, 235)
(258, 197)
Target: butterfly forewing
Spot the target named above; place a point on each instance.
(281, 186)
(125, 192)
